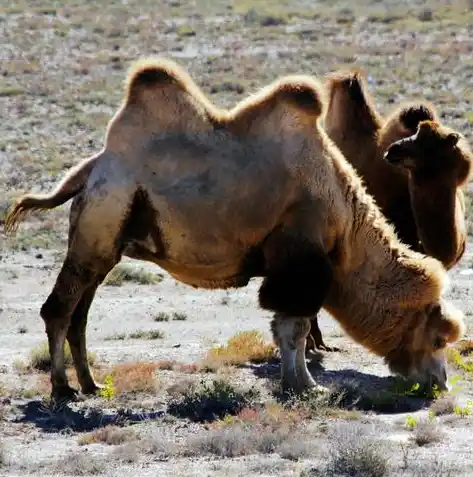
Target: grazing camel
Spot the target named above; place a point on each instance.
(426, 207)
(218, 197)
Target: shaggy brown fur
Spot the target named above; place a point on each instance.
(315, 235)
(427, 214)
(438, 161)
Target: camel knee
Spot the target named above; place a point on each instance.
(298, 286)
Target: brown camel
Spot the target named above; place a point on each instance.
(306, 225)
(426, 207)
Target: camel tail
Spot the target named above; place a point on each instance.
(69, 187)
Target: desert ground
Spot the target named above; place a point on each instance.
(191, 376)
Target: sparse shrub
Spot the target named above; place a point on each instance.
(338, 402)
(175, 316)
(110, 435)
(40, 359)
(116, 337)
(22, 330)
(210, 401)
(296, 448)
(426, 432)
(20, 366)
(126, 273)
(162, 316)
(243, 347)
(147, 335)
(250, 432)
(356, 454)
(81, 464)
(179, 316)
(444, 405)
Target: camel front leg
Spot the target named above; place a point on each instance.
(291, 334)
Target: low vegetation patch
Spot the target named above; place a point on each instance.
(110, 435)
(125, 273)
(137, 335)
(40, 359)
(147, 335)
(333, 404)
(174, 316)
(241, 348)
(354, 453)
(444, 405)
(461, 356)
(426, 432)
(81, 464)
(208, 401)
(131, 377)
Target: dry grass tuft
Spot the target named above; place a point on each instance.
(81, 464)
(443, 405)
(354, 453)
(111, 435)
(426, 432)
(147, 335)
(131, 377)
(3, 456)
(40, 359)
(271, 429)
(241, 348)
(172, 365)
(125, 273)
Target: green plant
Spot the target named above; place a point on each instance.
(411, 422)
(463, 411)
(108, 389)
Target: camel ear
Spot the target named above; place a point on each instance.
(452, 139)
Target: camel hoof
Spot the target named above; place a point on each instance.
(328, 349)
(316, 390)
(64, 394)
(93, 389)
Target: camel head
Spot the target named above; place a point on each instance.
(432, 151)
(422, 357)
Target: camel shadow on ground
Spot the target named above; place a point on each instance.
(354, 390)
(64, 418)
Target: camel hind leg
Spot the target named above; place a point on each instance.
(76, 337)
(315, 340)
(96, 230)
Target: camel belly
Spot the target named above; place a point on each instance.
(198, 271)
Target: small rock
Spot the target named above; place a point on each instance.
(39, 255)
(426, 15)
